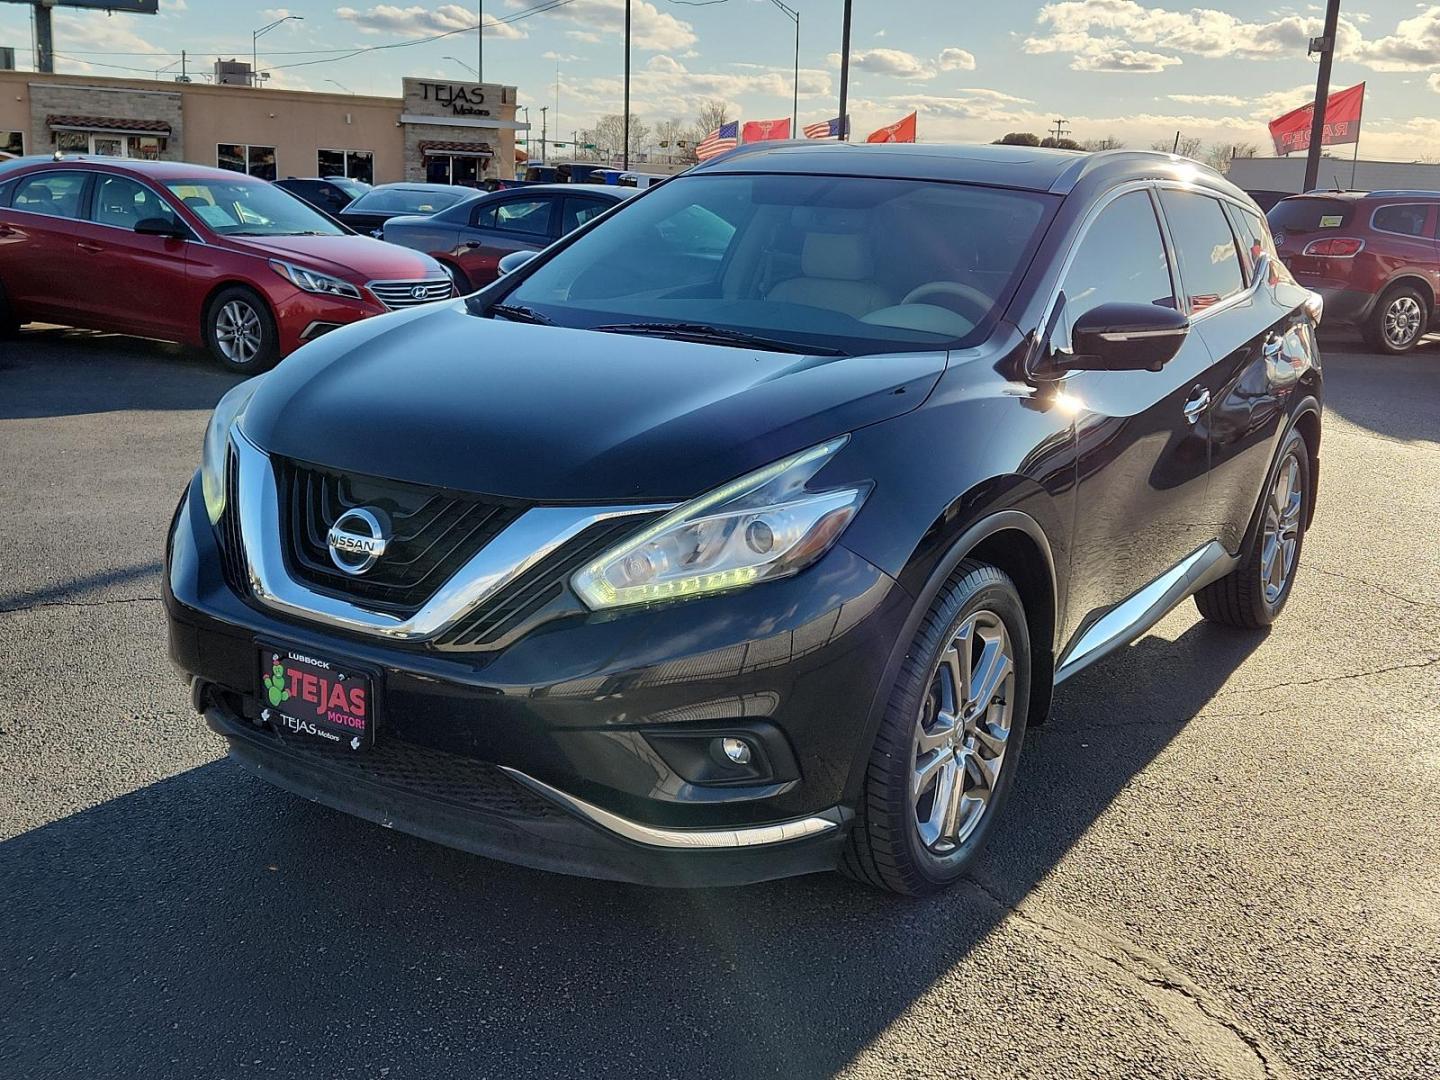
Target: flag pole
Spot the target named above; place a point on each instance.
(1355, 157)
(845, 72)
(1325, 46)
(625, 154)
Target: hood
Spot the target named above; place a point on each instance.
(439, 396)
(354, 258)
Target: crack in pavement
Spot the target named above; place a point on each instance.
(81, 603)
(1374, 585)
(1194, 1014)
(1428, 662)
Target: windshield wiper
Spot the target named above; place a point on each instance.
(521, 313)
(716, 335)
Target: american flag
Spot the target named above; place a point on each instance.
(725, 137)
(826, 129)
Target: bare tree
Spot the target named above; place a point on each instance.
(609, 134)
(1109, 142)
(713, 114)
(669, 134)
(1189, 146)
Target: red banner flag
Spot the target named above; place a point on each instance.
(764, 130)
(1291, 132)
(900, 131)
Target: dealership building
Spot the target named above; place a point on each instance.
(444, 132)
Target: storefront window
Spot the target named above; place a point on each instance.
(348, 164)
(12, 142)
(72, 142)
(466, 170)
(145, 147)
(257, 161)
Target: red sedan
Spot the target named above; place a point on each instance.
(186, 253)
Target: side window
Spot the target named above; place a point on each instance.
(1204, 246)
(121, 202)
(56, 194)
(483, 216)
(1255, 240)
(1121, 260)
(1407, 219)
(523, 215)
(579, 211)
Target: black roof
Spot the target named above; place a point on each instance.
(1028, 168)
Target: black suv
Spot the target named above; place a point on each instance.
(329, 193)
(744, 531)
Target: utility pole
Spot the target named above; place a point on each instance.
(845, 72)
(480, 41)
(44, 39)
(794, 16)
(625, 153)
(1325, 46)
(544, 121)
(1060, 125)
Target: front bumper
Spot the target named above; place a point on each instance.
(302, 316)
(579, 719)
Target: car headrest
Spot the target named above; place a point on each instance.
(840, 256)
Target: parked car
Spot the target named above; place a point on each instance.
(656, 564)
(331, 194)
(369, 213)
(1373, 256)
(185, 253)
(472, 237)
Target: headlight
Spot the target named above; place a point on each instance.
(217, 444)
(313, 280)
(760, 527)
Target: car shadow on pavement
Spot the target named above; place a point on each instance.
(83, 590)
(1394, 396)
(209, 925)
(57, 371)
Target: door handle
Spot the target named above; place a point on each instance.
(1197, 403)
(90, 247)
(470, 245)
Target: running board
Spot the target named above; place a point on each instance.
(1129, 619)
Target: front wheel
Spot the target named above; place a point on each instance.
(949, 744)
(1399, 321)
(241, 332)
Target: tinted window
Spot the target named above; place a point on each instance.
(1204, 246)
(1307, 214)
(54, 193)
(1121, 260)
(122, 202)
(1255, 240)
(523, 215)
(250, 208)
(403, 200)
(1408, 219)
(579, 211)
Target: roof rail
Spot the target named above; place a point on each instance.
(1097, 159)
(1406, 191)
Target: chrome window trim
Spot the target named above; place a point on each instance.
(743, 836)
(1391, 232)
(531, 537)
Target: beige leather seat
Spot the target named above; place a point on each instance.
(835, 271)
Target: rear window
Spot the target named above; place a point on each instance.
(1307, 215)
(1407, 219)
(408, 200)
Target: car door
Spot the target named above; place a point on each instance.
(41, 231)
(1142, 459)
(131, 280)
(498, 227)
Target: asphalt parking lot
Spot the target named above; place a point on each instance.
(1220, 861)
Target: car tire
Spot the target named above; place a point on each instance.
(9, 323)
(931, 739)
(1253, 594)
(1400, 319)
(240, 331)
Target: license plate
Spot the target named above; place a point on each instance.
(301, 694)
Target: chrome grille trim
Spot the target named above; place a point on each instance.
(397, 295)
(535, 534)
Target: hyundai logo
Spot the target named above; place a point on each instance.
(358, 539)
(420, 292)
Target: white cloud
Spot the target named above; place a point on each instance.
(583, 35)
(1414, 46)
(956, 60)
(651, 28)
(562, 58)
(418, 20)
(896, 63)
(1124, 61)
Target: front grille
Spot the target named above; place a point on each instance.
(541, 591)
(405, 294)
(434, 533)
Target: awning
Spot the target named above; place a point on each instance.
(117, 124)
(458, 149)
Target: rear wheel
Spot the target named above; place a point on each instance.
(947, 750)
(241, 332)
(1254, 593)
(1399, 320)
(9, 322)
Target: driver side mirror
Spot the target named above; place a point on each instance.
(159, 226)
(508, 264)
(1124, 337)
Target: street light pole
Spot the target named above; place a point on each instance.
(480, 41)
(1326, 49)
(463, 64)
(845, 73)
(255, 36)
(794, 16)
(625, 153)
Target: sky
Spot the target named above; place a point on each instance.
(973, 69)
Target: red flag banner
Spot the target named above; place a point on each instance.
(900, 131)
(1291, 132)
(763, 130)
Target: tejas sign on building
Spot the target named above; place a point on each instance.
(454, 99)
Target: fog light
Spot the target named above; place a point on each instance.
(737, 750)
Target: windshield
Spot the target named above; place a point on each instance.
(251, 208)
(353, 188)
(855, 264)
(408, 200)
(1309, 215)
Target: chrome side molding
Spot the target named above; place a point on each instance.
(527, 540)
(678, 839)
(1130, 618)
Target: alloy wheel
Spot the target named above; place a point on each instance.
(238, 332)
(1281, 538)
(962, 733)
(1403, 320)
